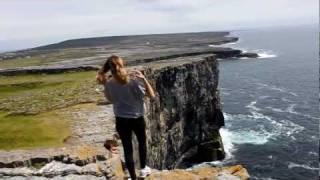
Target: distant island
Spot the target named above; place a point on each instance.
(76, 53)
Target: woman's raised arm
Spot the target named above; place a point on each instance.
(149, 89)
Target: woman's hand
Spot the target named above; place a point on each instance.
(138, 74)
(150, 91)
(100, 77)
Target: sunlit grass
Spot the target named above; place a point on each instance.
(28, 131)
(32, 94)
(32, 106)
(44, 59)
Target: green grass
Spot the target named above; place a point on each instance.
(32, 94)
(29, 131)
(44, 59)
(32, 107)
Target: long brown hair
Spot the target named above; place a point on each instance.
(115, 64)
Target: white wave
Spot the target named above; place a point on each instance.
(257, 115)
(293, 128)
(224, 44)
(271, 87)
(313, 153)
(294, 165)
(262, 53)
(275, 109)
(281, 127)
(225, 93)
(264, 97)
(245, 135)
(226, 137)
(263, 128)
(262, 84)
(227, 116)
(244, 58)
(293, 94)
(314, 137)
(261, 178)
(244, 50)
(232, 43)
(285, 99)
(252, 106)
(228, 146)
(291, 110)
(275, 88)
(265, 55)
(250, 137)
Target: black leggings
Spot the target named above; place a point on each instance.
(124, 127)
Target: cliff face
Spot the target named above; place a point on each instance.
(183, 121)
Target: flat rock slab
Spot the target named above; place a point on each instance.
(226, 173)
(110, 168)
(92, 123)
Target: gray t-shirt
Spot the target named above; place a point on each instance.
(127, 98)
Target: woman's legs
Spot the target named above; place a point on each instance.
(125, 133)
(139, 128)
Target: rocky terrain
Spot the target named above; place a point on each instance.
(112, 169)
(183, 121)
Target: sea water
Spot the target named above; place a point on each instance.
(271, 104)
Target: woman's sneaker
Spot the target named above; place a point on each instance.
(145, 172)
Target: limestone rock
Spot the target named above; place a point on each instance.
(16, 171)
(213, 173)
(57, 168)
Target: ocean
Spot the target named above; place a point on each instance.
(271, 104)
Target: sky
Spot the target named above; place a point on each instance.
(30, 23)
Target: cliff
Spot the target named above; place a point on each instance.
(182, 122)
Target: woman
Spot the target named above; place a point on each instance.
(126, 92)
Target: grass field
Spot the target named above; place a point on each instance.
(32, 94)
(28, 131)
(30, 105)
(44, 59)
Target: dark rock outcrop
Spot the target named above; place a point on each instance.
(183, 121)
(247, 55)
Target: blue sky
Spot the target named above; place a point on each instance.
(28, 23)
